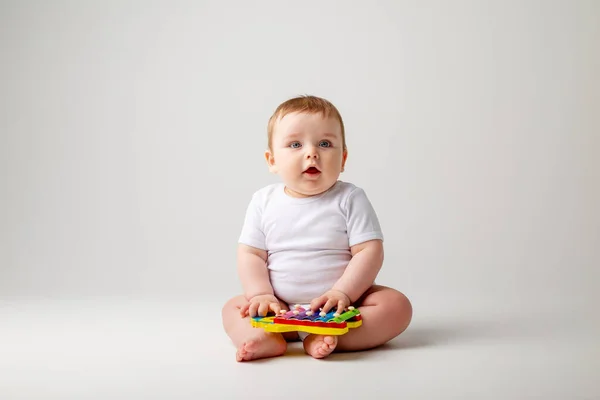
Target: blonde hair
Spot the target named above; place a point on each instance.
(307, 104)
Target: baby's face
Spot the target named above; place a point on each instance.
(307, 152)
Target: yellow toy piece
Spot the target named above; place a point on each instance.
(302, 320)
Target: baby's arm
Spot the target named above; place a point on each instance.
(254, 275)
(253, 272)
(367, 259)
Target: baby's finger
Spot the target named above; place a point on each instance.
(253, 309)
(276, 308)
(330, 303)
(341, 306)
(263, 308)
(316, 303)
(244, 309)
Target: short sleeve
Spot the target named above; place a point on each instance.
(252, 233)
(362, 222)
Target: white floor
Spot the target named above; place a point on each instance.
(124, 349)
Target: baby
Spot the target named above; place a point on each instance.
(311, 240)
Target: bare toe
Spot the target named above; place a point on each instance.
(320, 346)
(241, 353)
(262, 347)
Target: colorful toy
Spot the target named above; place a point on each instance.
(303, 320)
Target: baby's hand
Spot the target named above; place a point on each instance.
(261, 305)
(329, 300)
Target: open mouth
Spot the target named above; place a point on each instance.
(312, 171)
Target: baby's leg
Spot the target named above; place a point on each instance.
(252, 343)
(385, 312)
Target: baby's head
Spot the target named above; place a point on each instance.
(307, 145)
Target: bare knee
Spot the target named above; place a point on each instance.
(235, 303)
(401, 309)
(398, 308)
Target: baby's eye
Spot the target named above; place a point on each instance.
(295, 145)
(324, 143)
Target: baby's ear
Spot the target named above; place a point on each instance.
(270, 161)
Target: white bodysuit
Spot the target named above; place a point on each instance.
(308, 239)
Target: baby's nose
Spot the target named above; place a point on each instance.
(312, 153)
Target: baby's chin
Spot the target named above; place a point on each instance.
(300, 192)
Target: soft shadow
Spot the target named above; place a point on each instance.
(295, 349)
(413, 338)
(408, 340)
(462, 330)
(451, 331)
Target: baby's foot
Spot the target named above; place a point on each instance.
(320, 346)
(264, 346)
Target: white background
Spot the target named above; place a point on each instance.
(132, 137)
